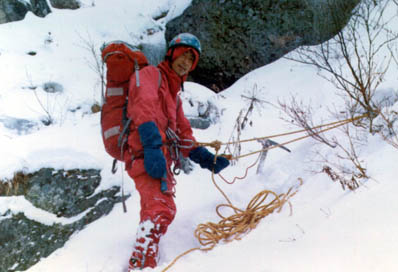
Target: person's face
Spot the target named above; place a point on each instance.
(183, 64)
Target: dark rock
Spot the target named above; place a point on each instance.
(207, 113)
(15, 10)
(65, 194)
(40, 8)
(24, 242)
(65, 4)
(240, 36)
(199, 122)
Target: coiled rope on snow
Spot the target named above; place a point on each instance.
(241, 222)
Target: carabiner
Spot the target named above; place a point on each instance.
(191, 144)
(176, 170)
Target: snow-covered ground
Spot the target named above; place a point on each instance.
(329, 229)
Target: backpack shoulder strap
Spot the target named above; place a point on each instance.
(178, 102)
(160, 78)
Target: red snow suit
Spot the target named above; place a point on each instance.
(149, 102)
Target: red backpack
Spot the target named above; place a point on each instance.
(122, 61)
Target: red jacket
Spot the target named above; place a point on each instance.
(149, 102)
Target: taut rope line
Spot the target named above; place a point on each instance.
(217, 144)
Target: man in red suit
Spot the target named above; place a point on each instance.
(158, 120)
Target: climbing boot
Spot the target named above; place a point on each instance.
(146, 248)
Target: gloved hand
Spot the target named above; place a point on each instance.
(206, 159)
(154, 161)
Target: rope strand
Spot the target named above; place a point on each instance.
(241, 222)
(262, 204)
(217, 144)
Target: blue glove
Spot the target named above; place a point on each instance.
(206, 159)
(154, 161)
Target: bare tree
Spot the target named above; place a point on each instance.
(345, 165)
(95, 62)
(356, 61)
(301, 115)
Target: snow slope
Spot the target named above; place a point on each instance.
(329, 229)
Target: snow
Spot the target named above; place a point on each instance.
(329, 229)
(18, 204)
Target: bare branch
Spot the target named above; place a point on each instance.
(301, 116)
(96, 64)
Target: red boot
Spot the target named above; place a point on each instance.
(145, 251)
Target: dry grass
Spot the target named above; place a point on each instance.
(16, 185)
(351, 184)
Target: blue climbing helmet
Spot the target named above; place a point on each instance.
(186, 39)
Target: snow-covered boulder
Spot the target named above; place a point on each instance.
(43, 209)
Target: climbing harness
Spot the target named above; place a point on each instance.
(175, 144)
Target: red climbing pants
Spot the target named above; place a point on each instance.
(157, 212)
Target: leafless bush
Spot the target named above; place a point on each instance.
(94, 62)
(389, 128)
(350, 176)
(351, 184)
(16, 185)
(50, 101)
(348, 168)
(48, 110)
(356, 61)
(236, 147)
(301, 115)
(255, 101)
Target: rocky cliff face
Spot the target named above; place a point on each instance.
(67, 197)
(15, 10)
(239, 36)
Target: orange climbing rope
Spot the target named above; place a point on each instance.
(241, 222)
(266, 202)
(323, 128)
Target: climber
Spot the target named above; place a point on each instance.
(159, 133)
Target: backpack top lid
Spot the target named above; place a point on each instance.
(120, 47)
(122, 60)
